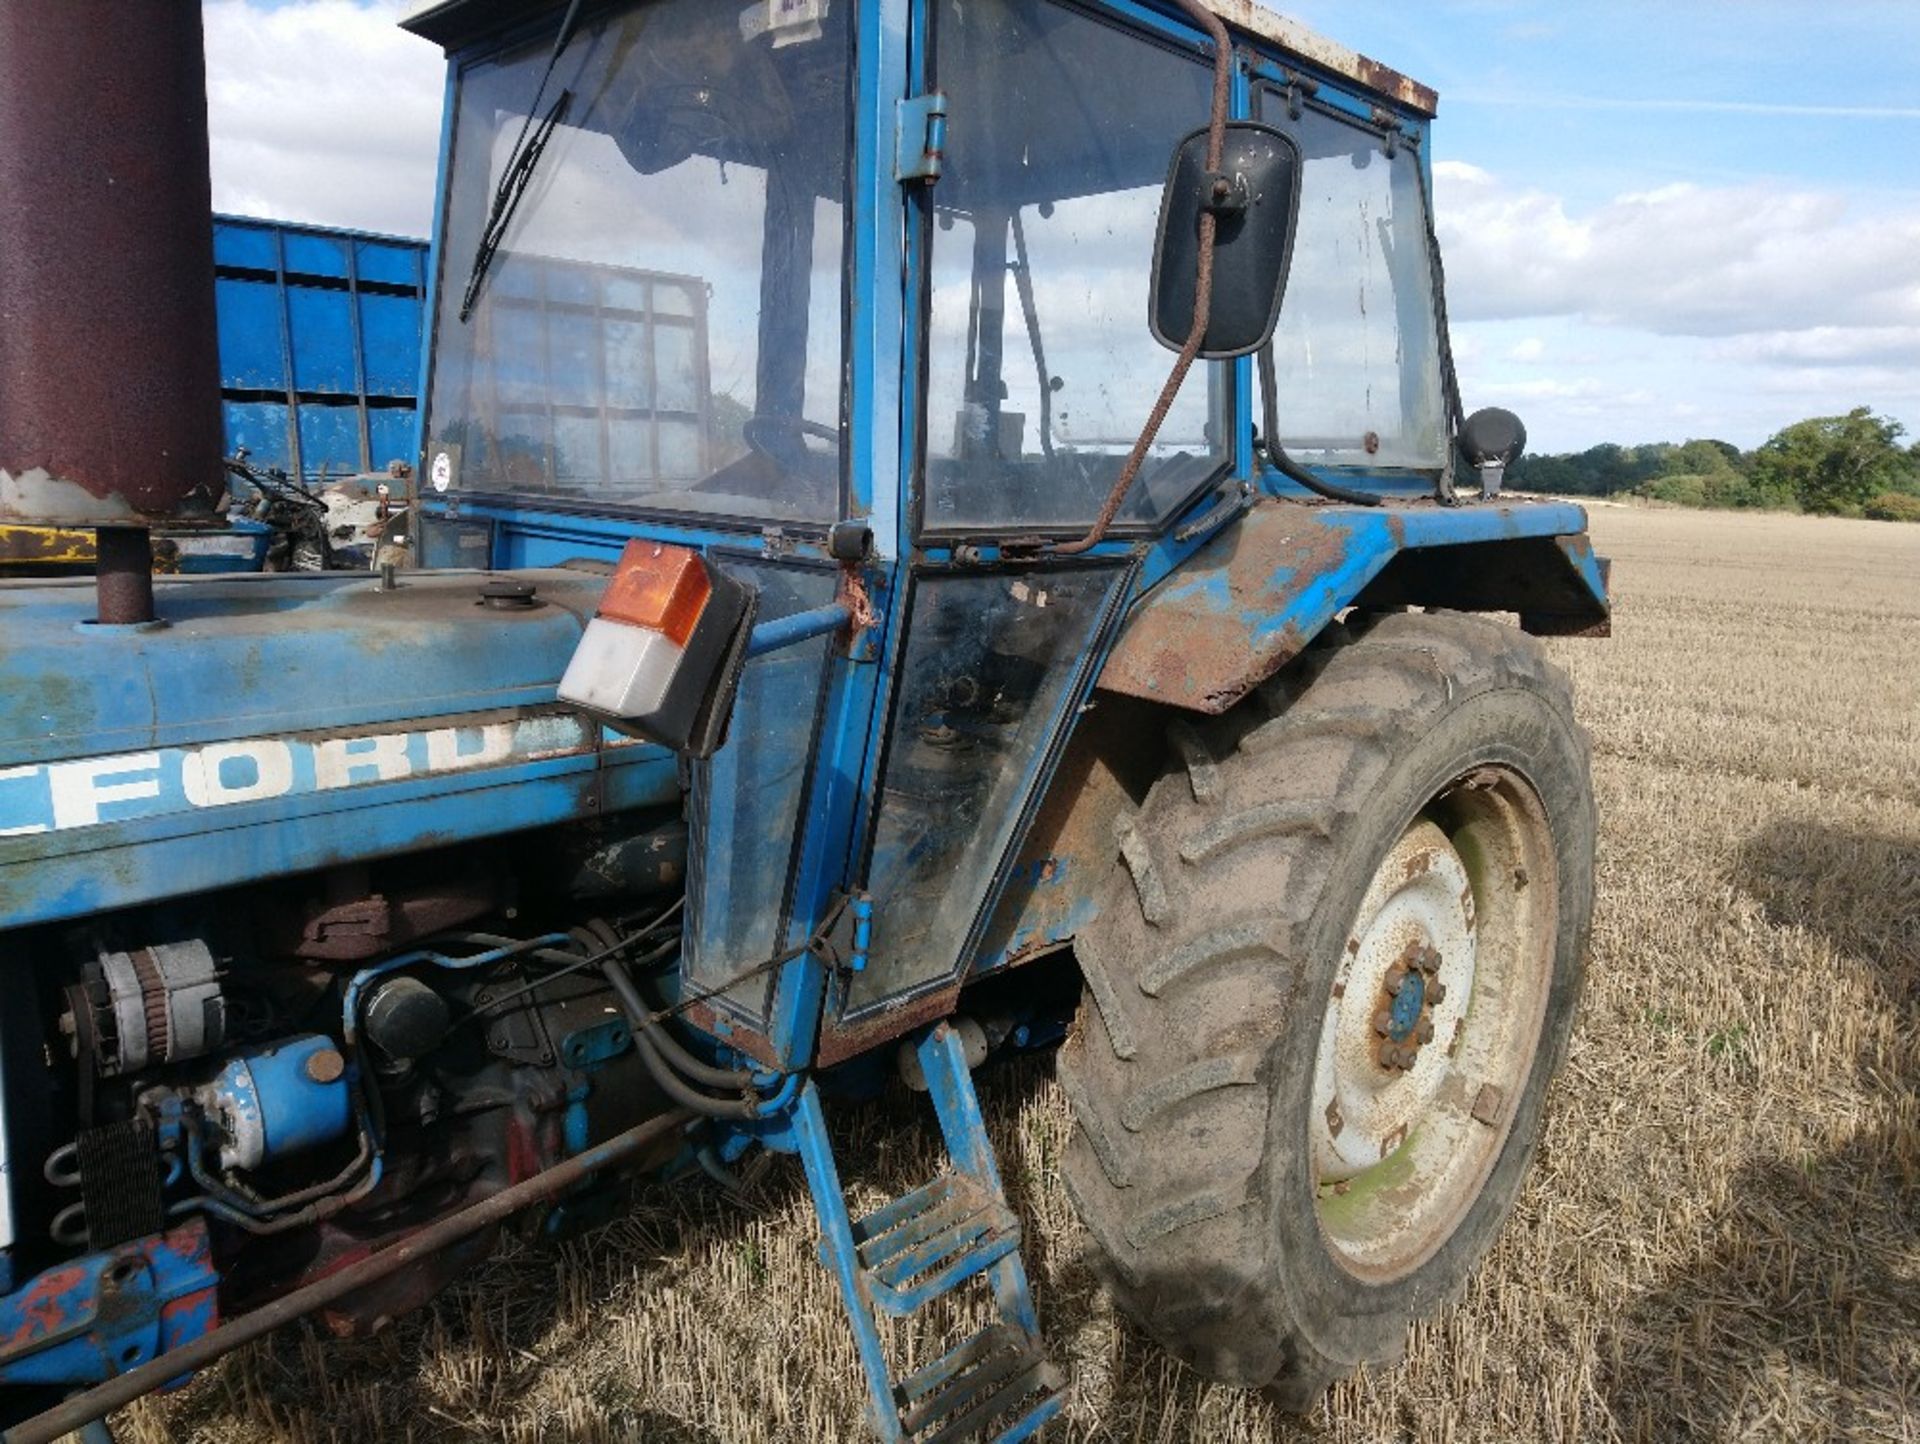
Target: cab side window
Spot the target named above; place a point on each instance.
(1041, 369)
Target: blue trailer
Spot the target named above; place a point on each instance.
(320, 337)
(953, 532)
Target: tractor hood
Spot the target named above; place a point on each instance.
(139, 763)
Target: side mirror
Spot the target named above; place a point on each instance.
(1255, 196)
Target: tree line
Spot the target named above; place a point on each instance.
(1852, 465)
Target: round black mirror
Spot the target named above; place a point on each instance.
(1492, 439)
(1493, 436)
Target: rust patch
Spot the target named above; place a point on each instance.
(1112, 760)
(357, 921)
(1296, 39)
(840, 1041)
(728, 1028)
(1197, 641)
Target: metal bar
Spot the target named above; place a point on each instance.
(359, 354)
(427, 272)
(943, 1063)
(102, 1399)
(787, 631)
(296, 458)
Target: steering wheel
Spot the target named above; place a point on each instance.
(777, 437)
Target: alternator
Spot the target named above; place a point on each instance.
(151, 1005)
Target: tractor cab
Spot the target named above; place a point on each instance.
(660, 252)
(856, 294)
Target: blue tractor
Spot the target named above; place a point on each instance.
(949, 529)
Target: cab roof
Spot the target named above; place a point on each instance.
(452, 22)
(1270, 25)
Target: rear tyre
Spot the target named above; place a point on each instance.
(1333, 972)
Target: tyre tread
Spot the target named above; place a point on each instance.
(1163, 1073)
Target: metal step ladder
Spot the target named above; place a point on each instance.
(996, 1386)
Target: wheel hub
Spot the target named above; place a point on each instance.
(1409, 993)
(1432, 1023)
(1406, 980)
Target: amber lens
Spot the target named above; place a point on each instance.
(662, 588)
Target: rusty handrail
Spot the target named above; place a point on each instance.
(99, 1401)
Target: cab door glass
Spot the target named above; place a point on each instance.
(991, 660)
(1040, 368)
(1356, 352)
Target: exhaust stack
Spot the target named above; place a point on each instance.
(109, 362)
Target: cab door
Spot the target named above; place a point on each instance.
(1030, 259)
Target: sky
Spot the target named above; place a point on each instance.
(1660, 220)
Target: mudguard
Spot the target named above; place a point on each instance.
(1249, 601)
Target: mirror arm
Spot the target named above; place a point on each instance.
(1202, 290)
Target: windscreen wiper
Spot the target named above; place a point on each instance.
(525, 155)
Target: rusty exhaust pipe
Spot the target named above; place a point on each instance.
(109, 361)
(123, 576)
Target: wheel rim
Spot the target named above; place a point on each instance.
(1432, 1023)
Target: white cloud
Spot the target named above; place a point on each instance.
(1683, 260)
(1826, 346)
(323, 111)
(1585, 389)
(1679, 310)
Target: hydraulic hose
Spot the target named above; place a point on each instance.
(1277, 454)
(668, 1047)
(681, 1091)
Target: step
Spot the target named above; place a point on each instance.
(931, 1241)
(999, 1376)
(995, 1387)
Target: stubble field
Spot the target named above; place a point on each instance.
(1721, 1237)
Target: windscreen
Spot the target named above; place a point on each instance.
(661, 326)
